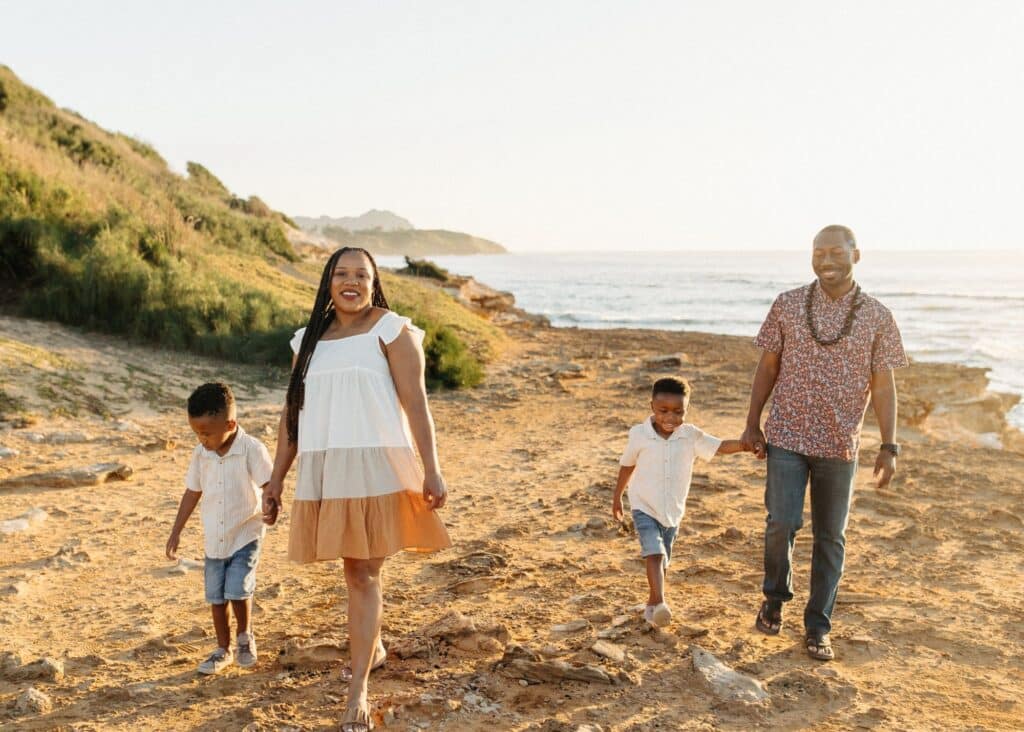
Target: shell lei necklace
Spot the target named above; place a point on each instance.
(847, 326)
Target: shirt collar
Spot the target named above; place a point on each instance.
(653, 434)
(821, 297)
(237, 448)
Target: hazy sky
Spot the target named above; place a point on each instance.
(570, 125)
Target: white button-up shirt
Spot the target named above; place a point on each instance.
(661, 481)
(232, 488)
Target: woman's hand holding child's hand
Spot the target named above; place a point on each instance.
(435, 493)
(272, 501)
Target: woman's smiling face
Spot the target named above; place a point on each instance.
(352, 282)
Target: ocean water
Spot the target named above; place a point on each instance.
(960, 307)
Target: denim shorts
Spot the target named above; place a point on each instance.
(233, 578)
(654, 538)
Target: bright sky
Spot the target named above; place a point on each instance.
(550, 125)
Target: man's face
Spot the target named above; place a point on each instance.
(833, 259)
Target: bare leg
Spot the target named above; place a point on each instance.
(365, 608)
(220, 625)
(242, 610)
(655, 578)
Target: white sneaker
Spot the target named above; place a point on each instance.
(660, 615)
(649, 614)
(217, 662)
(245, 654)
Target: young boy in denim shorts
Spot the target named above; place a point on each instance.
(228, 470)
(657, 465)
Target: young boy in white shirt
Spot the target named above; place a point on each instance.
(657, 465)
(229, 470)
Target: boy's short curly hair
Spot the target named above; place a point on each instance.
(671, 385)
(213, 398)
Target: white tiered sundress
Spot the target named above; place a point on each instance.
(359, 491)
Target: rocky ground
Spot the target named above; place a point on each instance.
(530, 621)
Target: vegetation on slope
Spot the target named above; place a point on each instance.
(97, 231)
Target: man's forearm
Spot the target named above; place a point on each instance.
(761, 388)
(884, 403)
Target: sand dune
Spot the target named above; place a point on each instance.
(530, 621)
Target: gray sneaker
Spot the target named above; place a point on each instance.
(245, 654)
(217, 662)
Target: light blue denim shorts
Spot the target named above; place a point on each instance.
(233, 578)
(654, 538)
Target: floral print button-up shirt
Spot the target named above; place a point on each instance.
(822, 391)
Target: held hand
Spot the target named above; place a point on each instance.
(172, 547)
(270, 511)
(435, 493)
(617, 508)
(885, 468)
(754, 441)
(272, 501)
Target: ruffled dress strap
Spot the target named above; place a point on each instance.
(390, 326)
(296, 341)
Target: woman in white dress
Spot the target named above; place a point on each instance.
(356, 404)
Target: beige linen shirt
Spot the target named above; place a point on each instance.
(661, 481)
(232, 488)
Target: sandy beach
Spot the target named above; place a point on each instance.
(530, 622)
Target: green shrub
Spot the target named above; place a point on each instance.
(80, 146)
(423, 268)
(448, 363)
(205, 179)
(144, 149)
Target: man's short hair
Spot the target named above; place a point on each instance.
(671, 385)
(846, 231)
(213, 398)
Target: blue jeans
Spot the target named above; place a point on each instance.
(233, 578)
(831, 490)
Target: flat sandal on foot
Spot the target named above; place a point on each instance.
(819, 647)
(769, 618)
(346, 671)
(358, 725)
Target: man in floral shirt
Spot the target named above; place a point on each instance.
(827, 349)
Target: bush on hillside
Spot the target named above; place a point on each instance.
(423, 268)
(79, 146)
(142, 148)
(448, 363)
(231, 228)
(205, 179)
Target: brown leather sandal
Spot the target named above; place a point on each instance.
(769, 618)
(819, 647)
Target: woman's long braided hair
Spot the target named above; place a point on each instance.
(319, 319)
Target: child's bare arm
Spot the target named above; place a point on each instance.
(625, 471)
(188, 504)
(728, 447)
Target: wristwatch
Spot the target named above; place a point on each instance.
(892, 447)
